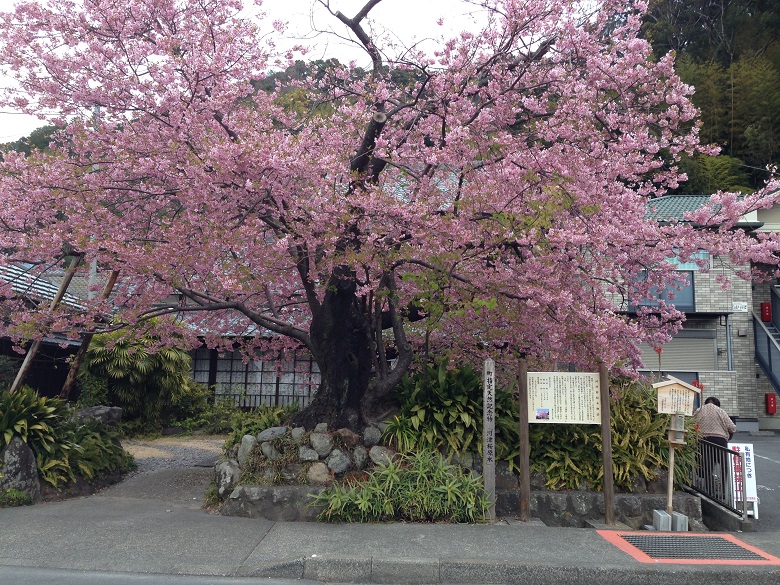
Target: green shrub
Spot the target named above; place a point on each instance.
(216, 417)
(88, 450)
(417, 487)
(14, 498)
(569, 456)
(441, 409)
(30, 417)
(144, 379)
(64, 449)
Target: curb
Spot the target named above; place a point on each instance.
(433, 571)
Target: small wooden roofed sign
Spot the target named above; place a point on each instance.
(675, 396)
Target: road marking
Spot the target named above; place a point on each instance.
(763, 487)
(766, 458)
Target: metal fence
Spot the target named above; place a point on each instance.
(244, 400)
(719, 475)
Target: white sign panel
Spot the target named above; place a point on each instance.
(739, 307)
(562, 397)
(750, 491)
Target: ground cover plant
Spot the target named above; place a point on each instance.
(441, 409)
(415, 487)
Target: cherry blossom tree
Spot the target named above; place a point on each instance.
(489, 194)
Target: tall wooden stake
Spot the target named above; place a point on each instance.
(606, 447)
(489, 436)
(670, 486)
(36, 345)
(525, 445)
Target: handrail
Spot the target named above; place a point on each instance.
(774, 298)
(713, 476)
(767, 351)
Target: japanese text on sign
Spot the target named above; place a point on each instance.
(562, 397)
(673, 399)
(749, 491)
(489, 411)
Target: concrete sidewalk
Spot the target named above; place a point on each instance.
(153, 524)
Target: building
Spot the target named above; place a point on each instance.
(724, 344)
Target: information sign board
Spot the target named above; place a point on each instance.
(564, 397)
(675, 396)
(750, 490)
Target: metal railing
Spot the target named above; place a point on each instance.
(243, 400)
(767, 351)
(719, 475)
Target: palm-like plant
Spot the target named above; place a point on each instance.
(138, 375)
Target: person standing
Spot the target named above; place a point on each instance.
(715, 425)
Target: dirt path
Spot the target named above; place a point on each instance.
(175, 452)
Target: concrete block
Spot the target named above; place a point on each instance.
(662, 521)
(679, 522)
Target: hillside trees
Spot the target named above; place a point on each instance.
(490, 193)
(729, 50)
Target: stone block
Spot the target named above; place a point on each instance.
(322, 443)
(679, 522)
(271, 433)
(662, 521)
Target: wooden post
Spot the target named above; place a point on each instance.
(606, 447)
(489, 436)
(670, 486)
(78, 359)
(33, 350)
(525, 445)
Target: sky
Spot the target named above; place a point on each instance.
(410, 20)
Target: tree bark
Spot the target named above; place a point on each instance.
(343, 348)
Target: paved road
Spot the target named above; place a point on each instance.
(767, 452)
(25, 576)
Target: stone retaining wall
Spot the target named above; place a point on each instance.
(573, 509)
(318, 458)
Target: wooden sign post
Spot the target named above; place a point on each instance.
(489, 436)
(525, 446)
(606, 447)
(677, 398)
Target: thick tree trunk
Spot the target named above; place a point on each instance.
(343, 347)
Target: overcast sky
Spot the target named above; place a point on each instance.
(411, 20)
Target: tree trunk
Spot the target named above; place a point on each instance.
(343, 348)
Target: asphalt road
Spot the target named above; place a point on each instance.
(767, 464)
(28, 576)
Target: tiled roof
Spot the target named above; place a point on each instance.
(674, 207)
(35, 287)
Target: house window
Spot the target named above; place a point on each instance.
(683, 299)
(699, 261)
(266, 382)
